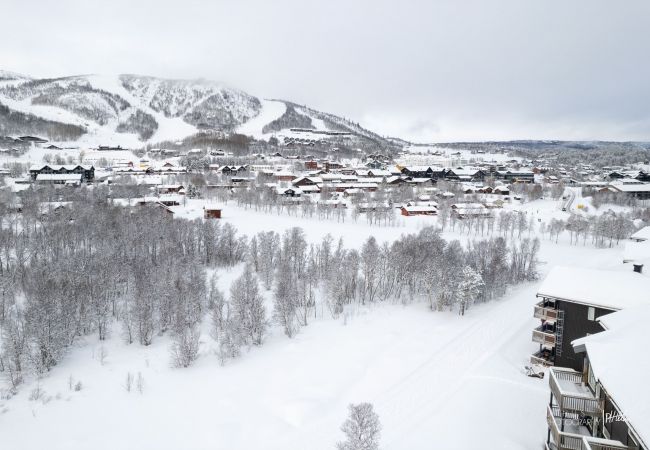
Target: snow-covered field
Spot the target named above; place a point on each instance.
(437, 380)
(249, 222)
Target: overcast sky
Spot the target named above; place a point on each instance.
(435, 70)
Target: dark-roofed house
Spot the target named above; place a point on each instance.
(423, 172)
(516, 175)
(634, 189)
(87, 172)
(34, 139)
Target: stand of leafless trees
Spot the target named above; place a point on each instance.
(85, 267)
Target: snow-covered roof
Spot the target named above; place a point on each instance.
(310, 188)
(466, 206)
(610, 353)
(419, 180)
(642, 234)
(631, 187)
(315, 180)
(468, 172)
(285, 189)
(424, 168)
(46, 207)
(331, 176)
(61, 166)
(420, 208)
(604, 288)
(520, 171)
(636, 251)
(169, 198)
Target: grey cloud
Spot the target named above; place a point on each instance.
(427, 70)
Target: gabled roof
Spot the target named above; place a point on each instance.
(420, 208)
(642, 234)
(631, 187)
(465, 172)
(314, 180)
(61, 166)
(283, 190)
(379, 172)
(637, 252)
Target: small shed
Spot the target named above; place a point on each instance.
(211, 212)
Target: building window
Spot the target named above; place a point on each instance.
(591, 313)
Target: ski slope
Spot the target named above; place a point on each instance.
(271, 110)
(169, 128)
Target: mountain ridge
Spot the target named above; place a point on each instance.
(135, 110)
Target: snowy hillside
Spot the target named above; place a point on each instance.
(6, 75)
(287, 119)
(130, 110)
(203, 104)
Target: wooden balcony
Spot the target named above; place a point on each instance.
(568, 433)
(538, 358)
(571, 437)
(602, 444)
(543, 337)
(545, 312)
(571, 394)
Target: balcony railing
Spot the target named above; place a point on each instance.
(578, 438)
(571, 394)
(602, 444)
(539, 358)
(544, 337)
(545, 312)
(563, 440)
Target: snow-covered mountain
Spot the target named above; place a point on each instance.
(132, 109)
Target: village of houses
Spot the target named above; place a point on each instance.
(586, 358)
(413, 183)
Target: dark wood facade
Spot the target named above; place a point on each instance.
(211, 213)
(576, 324)
(424, 172)
(562, 322)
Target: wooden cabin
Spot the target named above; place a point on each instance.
(418, 210)
(211, 212)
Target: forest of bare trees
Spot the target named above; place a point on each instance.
(88, 268)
